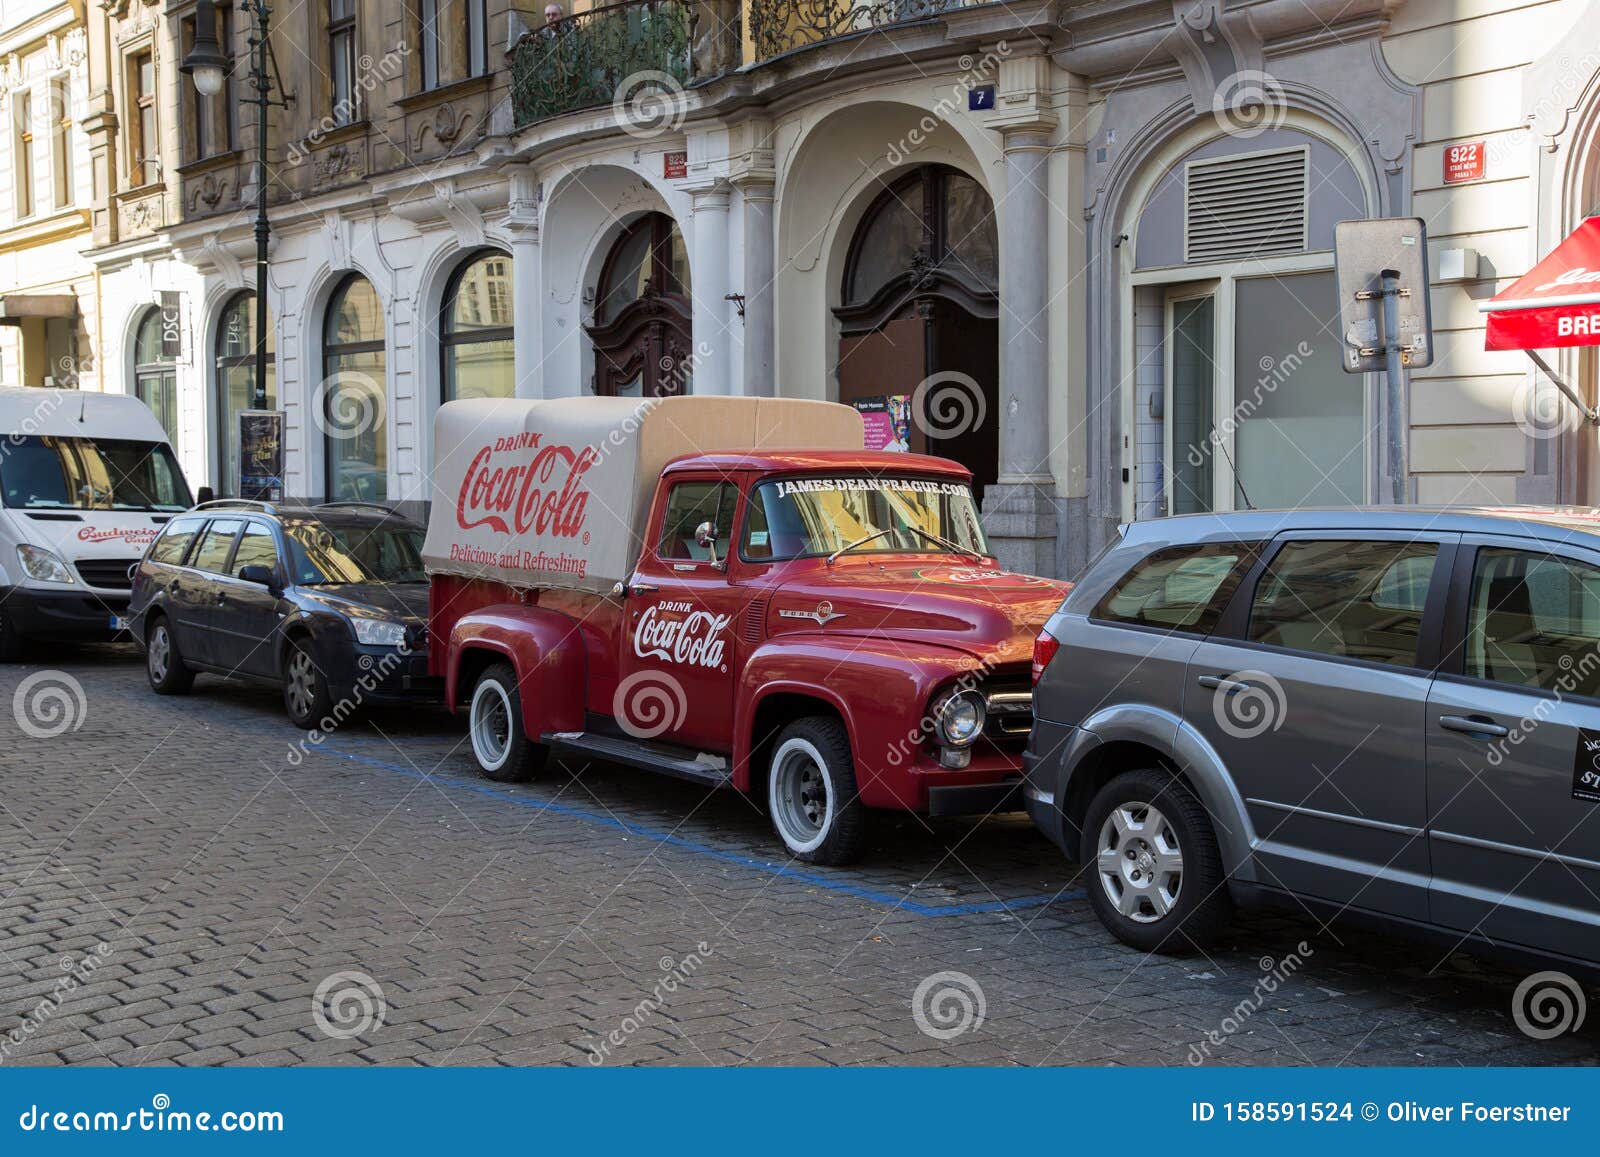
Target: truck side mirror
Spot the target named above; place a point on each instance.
(706, 535)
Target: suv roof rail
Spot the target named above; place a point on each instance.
(237, 504)
(389, 510)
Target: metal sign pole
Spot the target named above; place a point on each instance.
(1394, 366)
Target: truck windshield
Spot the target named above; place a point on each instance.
(330, 553)
(40, 472)
(795, 517)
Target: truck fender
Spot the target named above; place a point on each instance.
(1188, 750)
(547, 650)
(893, 679)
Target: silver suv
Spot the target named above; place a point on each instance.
(1393, 713)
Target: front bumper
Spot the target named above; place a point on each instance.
(974, 798)
(71, 613)
(384, 675)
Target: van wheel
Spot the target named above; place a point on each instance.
(306, 697)
(494, 724)
(163, 662)
(12, 645)
(811, 792)
(1156, 871)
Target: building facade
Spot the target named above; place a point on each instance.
(1085, 248)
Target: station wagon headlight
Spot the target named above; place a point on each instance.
(379, 632)
(958, 719)
(43, 565)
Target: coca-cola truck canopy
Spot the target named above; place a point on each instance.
(555, 493)
(1554, 304)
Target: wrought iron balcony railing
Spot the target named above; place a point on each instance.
(640, 50)
(779, 26)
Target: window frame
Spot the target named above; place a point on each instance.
(143, 139)
(62, 186)
(341, 32)
(23, 140)
(430, 45)
(735, 521)
(451, 340)
(477, 62)
(330, 349)
(193, 559)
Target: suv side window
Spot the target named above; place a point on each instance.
(1181, 588)
(1534, 621)
(175, 539)
(1350, 599)
(689, 505)
(256, 548)
(212, 553)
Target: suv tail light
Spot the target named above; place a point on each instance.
(1044, 649)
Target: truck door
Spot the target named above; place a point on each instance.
(683, 612)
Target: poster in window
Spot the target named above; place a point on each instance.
(887, 421)
(261, 455)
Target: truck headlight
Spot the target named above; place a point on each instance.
(43, 565)
(379, 632)
(958, 719)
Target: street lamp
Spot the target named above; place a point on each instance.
(208, 64)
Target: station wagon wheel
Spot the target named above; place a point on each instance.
(1156, 877)
(811, 792)
(163, 662)
(306, 697)
(495, 727)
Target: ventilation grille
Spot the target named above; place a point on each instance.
(1241, 207)
(754, 627)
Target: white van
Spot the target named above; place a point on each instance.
(87, 481)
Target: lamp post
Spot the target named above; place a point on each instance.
(208, 64)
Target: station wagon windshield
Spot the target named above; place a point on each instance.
(331, 553)
(40, 472)
(796, 517)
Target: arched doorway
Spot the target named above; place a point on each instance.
(919, 319)
(236, 377)
(641, 330)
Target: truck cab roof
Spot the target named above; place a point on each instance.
(793, 461)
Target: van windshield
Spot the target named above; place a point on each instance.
(792, 517)
(41, 472)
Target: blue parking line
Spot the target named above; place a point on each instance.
(784, 871)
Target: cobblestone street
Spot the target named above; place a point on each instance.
(186, 873)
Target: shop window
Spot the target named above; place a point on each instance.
(354, 366)
(155, 372)
(235, 378)
(476, 329)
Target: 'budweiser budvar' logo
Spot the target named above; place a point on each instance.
(692, 637)
(514, 482)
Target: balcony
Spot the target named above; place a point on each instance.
(780, 26)
(592, 58)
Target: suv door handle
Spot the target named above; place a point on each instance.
(1224, 684)
(1478, 725)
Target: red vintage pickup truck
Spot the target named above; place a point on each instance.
(794, 616)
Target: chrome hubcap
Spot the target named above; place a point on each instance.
(1140, 863)
(160, 653)
(490, 724)
(302, 684)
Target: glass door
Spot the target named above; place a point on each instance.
(1191, 386)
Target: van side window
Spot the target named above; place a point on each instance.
(212, 553)
(688, 506)
(1534, 621)
(1181, 588)
(174, 541)
(1351, 599)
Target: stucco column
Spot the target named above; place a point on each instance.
(760, 245)
(1019, 513)
(526, 319)
(708, 277)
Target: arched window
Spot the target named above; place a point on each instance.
(155, 374)
(352, 394)
(236, 375)
(642, 325)
(475, 328)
